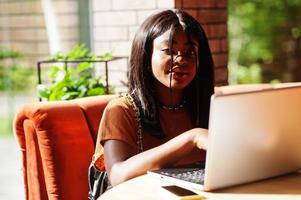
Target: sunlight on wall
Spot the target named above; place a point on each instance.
(54, 39)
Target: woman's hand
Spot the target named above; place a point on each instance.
(200, 137)
(122, 162)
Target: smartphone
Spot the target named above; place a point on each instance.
(183, 193)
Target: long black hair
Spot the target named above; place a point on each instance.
(141, 80)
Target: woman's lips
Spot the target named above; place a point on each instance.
(178, 72)
(177, 75)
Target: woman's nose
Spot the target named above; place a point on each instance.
(179, 57)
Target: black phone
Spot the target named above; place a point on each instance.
(182, 192)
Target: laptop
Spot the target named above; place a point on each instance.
(252, 136)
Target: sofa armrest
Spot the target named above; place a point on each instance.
(57, 147)
(93, 108)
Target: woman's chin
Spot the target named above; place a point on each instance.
(177, 86)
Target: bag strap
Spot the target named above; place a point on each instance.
(99, 149)
(137, 118)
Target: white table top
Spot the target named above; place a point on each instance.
(286, 187)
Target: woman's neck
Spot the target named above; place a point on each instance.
(169, 97)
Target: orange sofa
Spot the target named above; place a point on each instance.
(57, 140)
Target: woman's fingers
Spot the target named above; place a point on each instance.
(201, 138)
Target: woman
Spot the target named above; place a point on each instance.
(170, 82)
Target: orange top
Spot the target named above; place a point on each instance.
(119, 123)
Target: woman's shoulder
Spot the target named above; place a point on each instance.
(121, 102)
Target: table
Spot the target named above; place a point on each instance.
(144, 187)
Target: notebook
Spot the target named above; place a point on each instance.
(252, 136)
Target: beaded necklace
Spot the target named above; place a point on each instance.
(174, 108)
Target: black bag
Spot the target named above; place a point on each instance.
(98, 182)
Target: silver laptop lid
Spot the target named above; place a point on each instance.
(252, 136)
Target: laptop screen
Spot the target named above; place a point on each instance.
(253, 135)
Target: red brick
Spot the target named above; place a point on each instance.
(191, 4)
(222, 3)
(224, 45)
(192, 12)
(178, 4)
(212, 15)
(221, 76)
(216, 30)
(206, 28)
(200, 3)
(220, 59)
(220, 30)
(215, 45)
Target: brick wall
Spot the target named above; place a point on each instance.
(114, 23)
(22, 26)
(212, 14)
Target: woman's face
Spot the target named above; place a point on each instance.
(179, 73)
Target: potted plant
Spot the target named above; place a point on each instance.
(77, 81)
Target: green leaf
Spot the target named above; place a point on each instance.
(107, 56)
(6, 53)
(83, 90)
(96, 91)
(70, 95)
(43, 91)
(79, 52)
(82, 67)
(92, 83)
(54, 71)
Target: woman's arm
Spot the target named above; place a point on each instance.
(122, 163)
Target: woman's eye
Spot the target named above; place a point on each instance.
(187, 53)
(190, 52)
(167, 51)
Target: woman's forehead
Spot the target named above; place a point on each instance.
(179, 37)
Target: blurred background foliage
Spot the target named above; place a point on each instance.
(15, 75)
(265, 41)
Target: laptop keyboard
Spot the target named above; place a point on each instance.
(194, 175)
